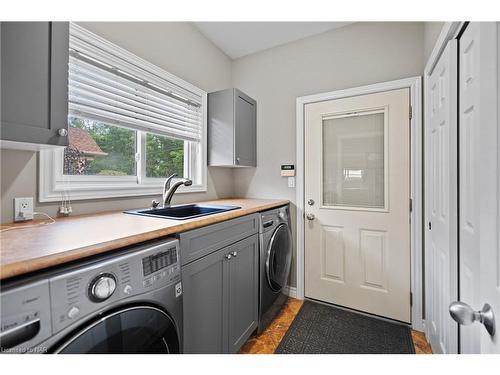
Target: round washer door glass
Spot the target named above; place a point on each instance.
(279, 257)
(130, 330)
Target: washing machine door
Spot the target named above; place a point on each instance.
(138, 329)
(279, 257)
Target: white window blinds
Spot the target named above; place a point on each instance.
(112, 85)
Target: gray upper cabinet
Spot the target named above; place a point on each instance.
(34, 100)
(232, 129)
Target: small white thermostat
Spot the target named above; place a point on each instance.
(288, 170)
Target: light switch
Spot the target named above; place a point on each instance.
(291, 182)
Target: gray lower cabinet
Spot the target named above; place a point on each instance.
(203, 304)
(232, 129)
(221, 298)
(243, 291)
(34, 82)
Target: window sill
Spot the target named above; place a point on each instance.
(98, 191)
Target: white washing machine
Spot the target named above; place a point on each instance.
(275, 260)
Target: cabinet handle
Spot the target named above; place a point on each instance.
(228, 256)
(234, 253)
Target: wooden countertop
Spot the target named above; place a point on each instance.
(68, 239)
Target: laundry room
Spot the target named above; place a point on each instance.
(224, 186)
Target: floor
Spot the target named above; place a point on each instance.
(268, 341)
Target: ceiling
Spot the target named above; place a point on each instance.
(238, 39)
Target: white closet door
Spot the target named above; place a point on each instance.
(479, 182)
(441, 202)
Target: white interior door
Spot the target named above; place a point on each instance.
(441, 202)
(357, 189)
(479, 184)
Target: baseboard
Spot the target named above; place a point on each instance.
(290, 291)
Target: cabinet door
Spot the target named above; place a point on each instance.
(34, 81)
(204, 316)
(243, 291)
(245, 130)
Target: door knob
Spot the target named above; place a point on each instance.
(310, 216)
(228, 256)
(463, 314)
(62, 132)
(310, 202)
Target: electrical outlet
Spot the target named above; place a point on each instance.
(23, 209)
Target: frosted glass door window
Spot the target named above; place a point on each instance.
(353, 161)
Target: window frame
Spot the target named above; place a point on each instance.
(55, 186)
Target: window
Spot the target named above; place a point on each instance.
(164, 156)
(130, 125)
(354, 167)
(96, 148)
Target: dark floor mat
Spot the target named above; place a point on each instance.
(322, 329)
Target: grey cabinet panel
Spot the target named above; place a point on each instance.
(200, 242)
(34, 81)
(203, 301)
(242, 287)
(232, 127)
(245, 130)
(220, 128)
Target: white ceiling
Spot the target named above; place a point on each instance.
(238, 39)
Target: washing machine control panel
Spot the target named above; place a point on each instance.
(160, 266)
(91, 288)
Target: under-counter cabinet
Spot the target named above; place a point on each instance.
(34, 84)
(221, 294)
(232, 129)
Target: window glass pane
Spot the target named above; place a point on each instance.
(353, 161)
(96, 148)
(164, 156)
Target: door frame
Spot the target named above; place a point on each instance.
(414, 84)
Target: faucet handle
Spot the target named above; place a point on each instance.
(155, 203)
(169, 180)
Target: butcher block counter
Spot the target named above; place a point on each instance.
(72, 238)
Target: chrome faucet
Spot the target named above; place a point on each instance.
(168, 191)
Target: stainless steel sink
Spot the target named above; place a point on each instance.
(183, 212)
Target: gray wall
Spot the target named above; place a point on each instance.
(180, 49)
(355, 55)
(431, 33)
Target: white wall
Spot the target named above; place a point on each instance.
(431, 33)
(180, 49)
(355, 55)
